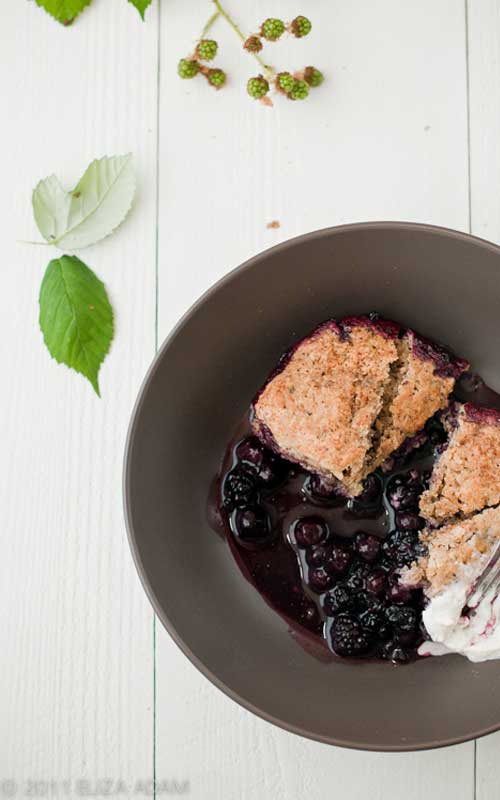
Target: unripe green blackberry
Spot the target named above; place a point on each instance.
(188, 68)
(253, 44)
(217, 77)
(206, 49)
(313, 76)
(284, 82)
(300, 26)
(272, 29)
(257, 87)
(299, 91)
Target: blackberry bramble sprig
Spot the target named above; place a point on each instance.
(205, 51)
(294, 86)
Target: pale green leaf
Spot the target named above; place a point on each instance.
(64, 11)
(92, 210)
(141, 6)
(76, 317)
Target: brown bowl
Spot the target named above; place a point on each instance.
(443, 283)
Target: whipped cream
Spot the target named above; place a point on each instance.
(476, 636)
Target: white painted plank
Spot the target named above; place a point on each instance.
(385, 137)
(484, 72)
(75, 628)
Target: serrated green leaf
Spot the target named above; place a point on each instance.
(141, 6)
(96, 206)
(76, 317)
(64, 11)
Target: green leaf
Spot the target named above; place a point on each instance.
(64, 11)
(141, 5)
(76, 317)
(96, 206)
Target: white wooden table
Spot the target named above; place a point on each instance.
(407, 127)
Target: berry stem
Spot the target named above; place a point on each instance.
(220, 10)
(209, 24)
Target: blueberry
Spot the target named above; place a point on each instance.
(405, 638)
(398, 655)
(320, 488)
(348, 638)
(339, 559)
(397, 593)
(372, 491)
(367, 546)
(402, 498)
(406, 521)
(239, 490)
(338, 599)
(252, 525)
(310, 531)
(403, 618)
(384, 631)
(376, 581)
(271, 472)
(310, 613)
(316, 556)
(266, 468)
(404, 490)
(319, 580)
(250, 453)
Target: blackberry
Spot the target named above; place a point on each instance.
(399, 548)
(257, 87)
(365, 599)
(313, 76)
(299, 91)
(188, 68)
(371, 620)
(239, 490)
(300, 26)
(217, 77)
(338, 599)
(403, 618)
(348, 638)
(272, 28)
(206, 49)
(358, 575)
(253, 44)
(284, 83)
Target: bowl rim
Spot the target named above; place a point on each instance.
(126, 478)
